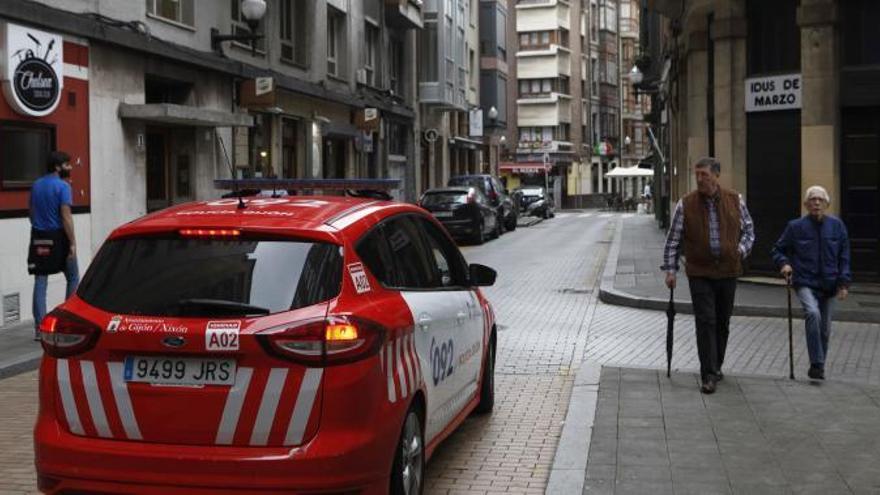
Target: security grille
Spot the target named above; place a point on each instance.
(11, 308)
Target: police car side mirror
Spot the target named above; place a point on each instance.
(481, 275)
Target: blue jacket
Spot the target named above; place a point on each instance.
(818, 252)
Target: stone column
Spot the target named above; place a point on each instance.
(696, 81)
(820, 140)
(729, 38)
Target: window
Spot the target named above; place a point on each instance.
(294, 16)
(172, 10)
(861, 45)
(594, 23)
(335, 42)
(24, 151)
(429, 53)
(395, 71)
(449, 268)
(773, 41)
(240, 27)
(501, 33)
(275, 275)
(397, 138)
(374, 252)
(371, 61)
(409, 254)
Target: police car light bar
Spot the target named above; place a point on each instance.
(300, 184)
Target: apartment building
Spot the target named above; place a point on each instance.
(635, 106)
(448, 91)
(494, 80)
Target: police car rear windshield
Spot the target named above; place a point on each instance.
(444, 198)
(211, 277)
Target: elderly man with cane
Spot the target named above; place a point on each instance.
(813, 256)
(714, 229)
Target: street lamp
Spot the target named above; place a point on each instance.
(627, 141)
(635, 76)
(493, 113)
(252, 11)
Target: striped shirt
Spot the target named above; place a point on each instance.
(672, 250)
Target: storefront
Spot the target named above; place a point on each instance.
(45, 107)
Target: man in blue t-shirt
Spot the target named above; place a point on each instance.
(51, 217)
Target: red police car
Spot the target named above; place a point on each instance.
(302, 344)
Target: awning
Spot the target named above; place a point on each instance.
(171, 114)
(524, 167)
(630, 172)
(464, 142)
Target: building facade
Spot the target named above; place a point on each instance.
(448, 91)
(786, 95)
(634, 105)
(153, 109)
(494, 80)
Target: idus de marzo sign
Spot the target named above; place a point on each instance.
(31, 68)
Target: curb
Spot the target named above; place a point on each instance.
(570, 462)
(609, 295)
(28, 362)
(528, 221)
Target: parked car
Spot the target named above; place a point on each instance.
(464, 211)
(280, 345)
(535, 202)
(499, 198)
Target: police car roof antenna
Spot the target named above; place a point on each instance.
(235, 190)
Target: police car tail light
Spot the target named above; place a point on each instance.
(325, 342)
(228, 233)
(64, 334)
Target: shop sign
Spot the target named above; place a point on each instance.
(475, 118)
(33, 69)
(257, 93)
(367, 119)
(765, 94)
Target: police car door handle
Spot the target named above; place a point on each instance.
(424, 322)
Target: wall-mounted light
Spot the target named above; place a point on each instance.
(252, 11)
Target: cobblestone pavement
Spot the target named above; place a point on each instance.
(18, 410)
(543, 299)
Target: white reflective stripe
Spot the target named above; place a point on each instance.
(67, 400)
(93, 397)
(268, 406)
(417, 375)
(303, 409)
(232, 410)
(123, 401)
(407, 351)
(401, 371)
(392, 394)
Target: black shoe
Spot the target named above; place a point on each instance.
(816, 373)
(708, 386)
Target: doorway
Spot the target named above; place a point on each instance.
(169, 157)
(860, 188)
(773, 176)
(334, 158)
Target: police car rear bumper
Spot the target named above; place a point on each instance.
(342, 461)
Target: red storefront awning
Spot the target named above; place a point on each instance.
(524, 167)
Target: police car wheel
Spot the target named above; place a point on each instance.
(487, 387)
(408, 470)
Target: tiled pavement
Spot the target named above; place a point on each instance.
(753, 436)
(18, 411)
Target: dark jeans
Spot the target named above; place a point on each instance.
(713, 303)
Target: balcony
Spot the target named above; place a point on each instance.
(544, 111)
(537, 64)
(543, 15)
(403, 14)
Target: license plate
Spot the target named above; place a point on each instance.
(159, 370)
(443, 214)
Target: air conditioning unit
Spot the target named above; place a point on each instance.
(360, 76)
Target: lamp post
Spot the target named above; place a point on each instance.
(252, 11)
(493, 163)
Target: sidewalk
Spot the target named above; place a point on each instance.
(754, 435)
(633, 278)
(18, 350)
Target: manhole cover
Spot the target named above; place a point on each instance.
(570, 290)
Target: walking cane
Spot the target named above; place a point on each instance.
(790, 340)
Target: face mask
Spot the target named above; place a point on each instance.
(64, 173)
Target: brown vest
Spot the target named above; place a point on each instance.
(700, 260)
